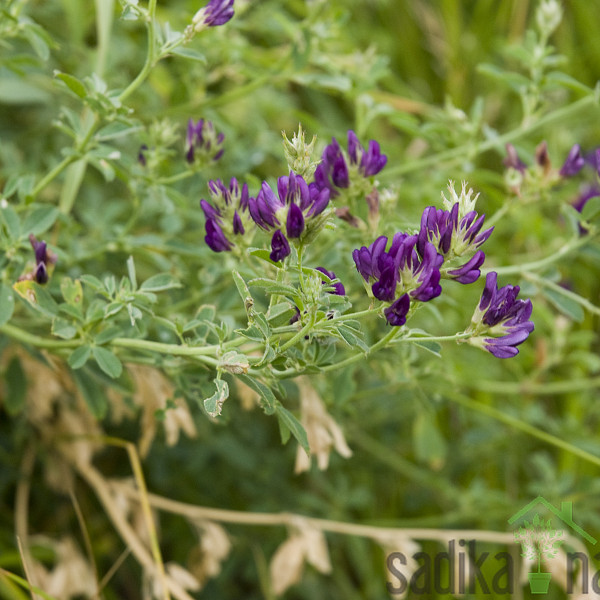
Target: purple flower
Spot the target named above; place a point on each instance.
(202, 142)
(419, 272)
(227, 216)
(338, 288)
(336, 169)
(451, 235)
(42, 258)
(500, 322)
(396, 313)
(297, 208)
(400, 272)
(469, 272)
(215, 238)
(454, 236)
(280, 247)
(574, 162)
(216, 12)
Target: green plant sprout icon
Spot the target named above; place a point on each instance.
(539, 541)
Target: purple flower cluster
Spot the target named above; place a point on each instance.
(202, 142)
(293, 209)
(412, 267)
(227, 216)
(337, 169)
(500, 322)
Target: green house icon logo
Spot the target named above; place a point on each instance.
(540, 540)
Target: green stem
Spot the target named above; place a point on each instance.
(384, 341)
(35, 340)
(564, 292)
(299, 335)
(150, 56)
(543, 262)
(516, 423)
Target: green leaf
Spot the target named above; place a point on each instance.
(432, 347)
(287, 421)
(269, 402)
(214, 404)
(7, 303)
(189, 53)
(108, 334)
(16, 387)
(242, 288)
(92, 392)
(351, 337)
(40, 220)
(273, 287)
(131, 273)
(565, 304)
(37, 297)
(591, 209)
(11, 222)
(107, 361)
(263, 255)
(63, 329)
(93, 282)
(79, 357)
(74, 84)
(72, 291)
(160, 282)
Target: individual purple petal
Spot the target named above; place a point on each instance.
(385, 287)
(470, 271)
(372, 162)
(295, 222)
(396, 313)
(574, 162)
(238, 226)
(41, 273)
(209, 210)
(280, 247)
(215, 238)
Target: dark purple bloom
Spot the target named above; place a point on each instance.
(333, 173)
(367, 259)
(227, 216)
(338, 288)
(216, 12)
(402, 269)
(280, 247)
(419, 273)
(42, 258)
(574, 162)
(215, 238)
(396, 313)
(449, 234)
(295, 221)
(512, 160)
(202, 141)
(469, 272)
(502, 316)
